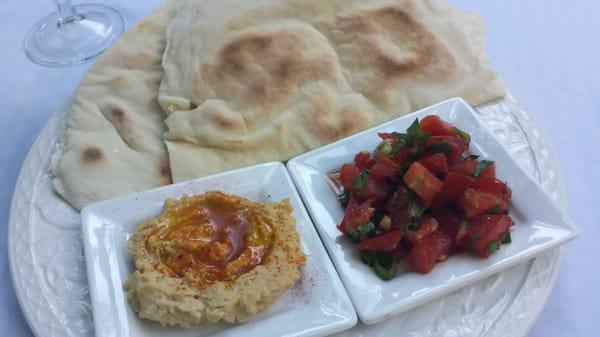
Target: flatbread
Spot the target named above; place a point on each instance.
(251, 81)
(113, 139)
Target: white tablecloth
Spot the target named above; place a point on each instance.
(547, 51)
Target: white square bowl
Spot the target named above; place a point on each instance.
(540, 225)
(317, 305)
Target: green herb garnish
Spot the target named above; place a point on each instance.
(472, 156)
(413, 226)
(416, 136)
(402, 171)
(461, 134)
(384, 266)
(365, 228)
(442, 147)
(464, 224)
(361, 180)
(344, 198)
(415, 209)
(368, 257)
(496, 209)
(353, 234)
(481, 166)
(506, 239)
(356, 232)
(493, 246)
(401, 141)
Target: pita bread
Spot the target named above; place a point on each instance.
(113, 139)
(251, 81)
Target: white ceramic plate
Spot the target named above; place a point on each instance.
(540, 225)
(317, 305)
(49, 275)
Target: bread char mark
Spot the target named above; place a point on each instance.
(91, 155)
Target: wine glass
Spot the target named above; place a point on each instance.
(73, 34)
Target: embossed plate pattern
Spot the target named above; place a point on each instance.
(48, 270)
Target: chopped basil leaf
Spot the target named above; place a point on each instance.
(506, 238)
(401, 140)
(442, 147)
(353, 234)
(465, 136)
(415, 209)
(413, 226)
(464, 224)
(365, 228)
(482, 165)
(385, 266)
(368, 257)
(402, 171)
(493, 246)
(416, 136)
(344, 198)
(361, 180)
(496, 209)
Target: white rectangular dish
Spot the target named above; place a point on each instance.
(317, 305)
(540, 224)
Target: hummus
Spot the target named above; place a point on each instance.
(213, 257)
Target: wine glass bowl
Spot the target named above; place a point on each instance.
(73, 34)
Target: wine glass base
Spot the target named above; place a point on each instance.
(75, 41)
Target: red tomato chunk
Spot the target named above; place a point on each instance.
(437, 126)
(485, 230)
(385, 243)
(385, 168)
(436, 163)
(431, 249)
(356, 214)
(419, 179)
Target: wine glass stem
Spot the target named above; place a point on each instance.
(66, 13)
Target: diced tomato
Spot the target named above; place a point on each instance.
(386, 136)
(397, 207)
(457, 145)
(356, 214)
(385, 167)
(448, 219)
(493, 186)
(431, 249)
(376, 188)
(363, 160)
(419, 179)
(427, 226)
(402, 250)
(473, 202)
(467, 167)
(436, 163)
(402, 157)
(385, 243)
(454, 185)
(348, 172)
(485, 229)
(437, 126)
(459, 211)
